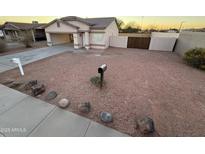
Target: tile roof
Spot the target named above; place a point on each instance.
(94, 23)
(21, 26)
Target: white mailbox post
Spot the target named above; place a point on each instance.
(18, 62)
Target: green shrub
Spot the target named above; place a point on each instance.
(96, 81)
(196, 57)
(2, 45)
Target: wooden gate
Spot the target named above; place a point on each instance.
(138, 42)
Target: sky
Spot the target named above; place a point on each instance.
(159, 22)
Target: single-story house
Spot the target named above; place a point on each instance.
(82, 32)
(16, 30)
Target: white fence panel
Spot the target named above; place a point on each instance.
(162, 43)
(118, 41)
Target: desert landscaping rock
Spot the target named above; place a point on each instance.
(84, 107)
(30, 83)
(38, 89)
(51, 95)
(106, 117)
(145, 125)
(63, 103)
(15, 84)
(8, 81)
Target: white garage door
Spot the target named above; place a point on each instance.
(61, 38)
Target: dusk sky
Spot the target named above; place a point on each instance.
(159, 22)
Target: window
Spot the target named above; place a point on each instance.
(98, 38)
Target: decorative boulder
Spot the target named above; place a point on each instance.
(106, 117)
(84, 107)
(145, 125)
(51, 95)
(38, 89)
(63, 103)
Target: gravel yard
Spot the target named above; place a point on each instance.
(138, 83)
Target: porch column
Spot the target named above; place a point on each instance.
(77, 40)
(48, 37)
(16, 34)
(87, 40)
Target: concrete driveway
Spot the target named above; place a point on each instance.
(32, 55)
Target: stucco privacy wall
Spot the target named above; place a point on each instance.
(163, 41)
(189, 40)
(118, 41)
(163, 34)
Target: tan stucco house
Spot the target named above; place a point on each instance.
(82, 32)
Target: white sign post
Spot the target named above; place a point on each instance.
(17, 61)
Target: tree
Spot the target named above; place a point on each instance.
(131, 27)
(120, 24)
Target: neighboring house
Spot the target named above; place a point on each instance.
(1, 32)
(82, 32)
(16, 30)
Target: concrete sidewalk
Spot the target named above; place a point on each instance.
(22, 115)
(32, 55)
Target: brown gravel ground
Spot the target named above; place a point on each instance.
(138, 82)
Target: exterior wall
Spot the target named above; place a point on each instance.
(118, 41)
(189, 40)
(53, 28)
(78, 40)
(60, 38)
(48, 38)
(111, 30)
(98, 46)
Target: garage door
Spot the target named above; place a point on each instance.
(61, 38)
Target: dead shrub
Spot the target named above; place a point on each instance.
(27, 39)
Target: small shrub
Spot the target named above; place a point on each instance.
(2, 45)
(96, 81)
(196, 58)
